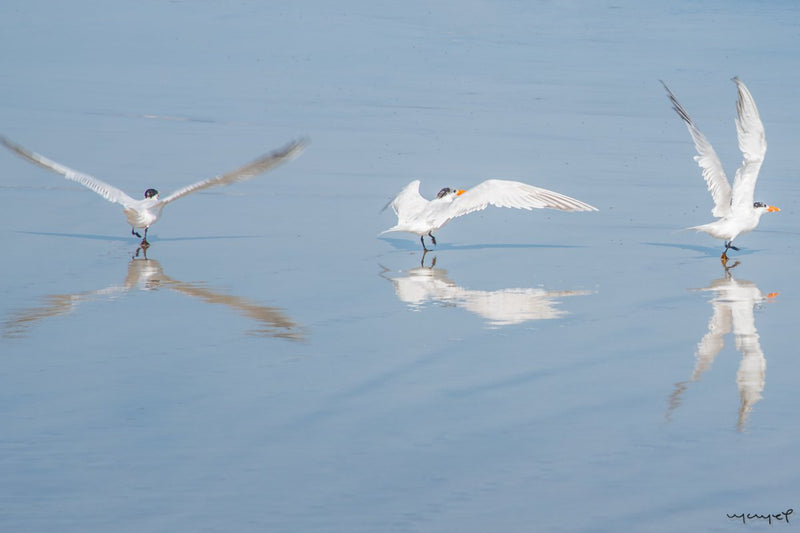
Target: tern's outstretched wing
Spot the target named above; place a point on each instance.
(260, 165)
(503, 193)
(752, 143)
(407, 205)
(109, 192)
(707, 159)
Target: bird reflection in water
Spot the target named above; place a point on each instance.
(734, 304)
(421, 286)
(146, 275)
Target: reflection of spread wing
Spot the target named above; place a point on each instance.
(707, 349)
(713, 341)
(733, 304)
(147, 274)
(273, 322)
(55, 305)
(751, 376)
(500, 308)
(515, 306)
(144, 272)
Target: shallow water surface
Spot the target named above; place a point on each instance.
(274, 363)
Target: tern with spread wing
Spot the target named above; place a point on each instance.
(734, 207)
(422, 217)
(145, 212)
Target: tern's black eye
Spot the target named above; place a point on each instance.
(444, 192)
(149, 193)
(759, 204)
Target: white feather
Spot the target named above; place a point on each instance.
(145, 212)
(733, 206)
(417, 215)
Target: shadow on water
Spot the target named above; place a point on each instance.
(423, 286)
(150, 238)
(412, 245)
(734, 303)
(707, 251)
(148, 275)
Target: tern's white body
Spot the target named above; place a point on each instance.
(733, 206)
(145, 212)
(417, 215)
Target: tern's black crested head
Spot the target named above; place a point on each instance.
(150, 193)
(444, 192)
(765, 208)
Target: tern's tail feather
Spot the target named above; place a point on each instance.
(393, 228)
(714, 230)
(703, 227)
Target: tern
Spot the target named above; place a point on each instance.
(734, 207)
(422, 217)
(145, 212)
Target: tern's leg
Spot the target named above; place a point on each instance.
(422, 261)
(724, 256)
(432, 238)
(144, 243)
(142, 248)
(422, 240)
(134, 232)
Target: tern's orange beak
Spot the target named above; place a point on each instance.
(772, 295)
(772, 208)
(462, 191)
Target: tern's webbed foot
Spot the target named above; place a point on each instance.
(143, 246)
(134, 232)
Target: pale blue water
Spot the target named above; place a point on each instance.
(277, 366)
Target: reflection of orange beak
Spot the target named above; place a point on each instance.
(461, 191)
(772, 208)
(772, 295)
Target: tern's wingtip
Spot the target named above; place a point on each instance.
(299, 144)
(294, 148)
